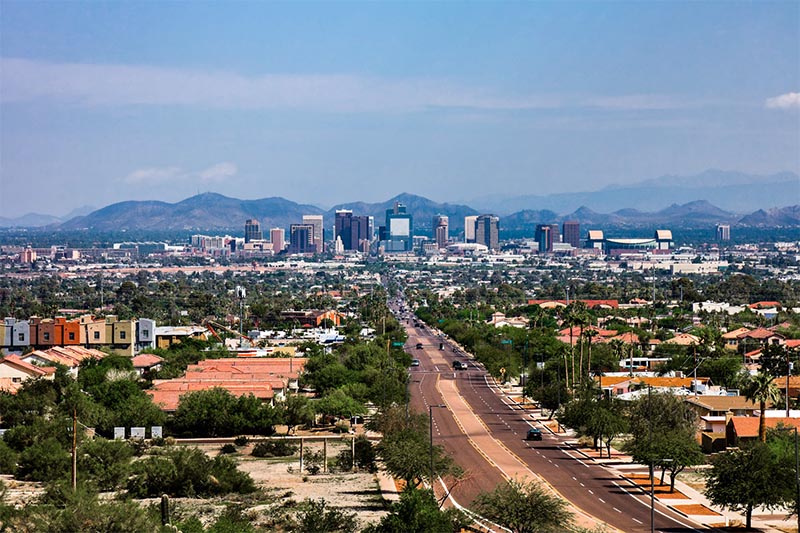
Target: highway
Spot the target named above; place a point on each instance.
(488, 440)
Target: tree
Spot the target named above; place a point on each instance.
(298, 411)
(762, 389)
(525, 508)
(419, 512)
(105, 462)
(338, 404)
(744, 479)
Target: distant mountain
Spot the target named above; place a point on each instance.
(732, 191)
(420, 207)
(30, 220)
(783, 216)
(208, 211)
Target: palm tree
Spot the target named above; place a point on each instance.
(763, 390)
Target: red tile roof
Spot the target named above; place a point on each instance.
(747, 426)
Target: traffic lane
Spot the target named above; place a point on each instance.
(479, 474)
(586, 484)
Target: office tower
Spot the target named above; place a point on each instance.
(363, 232)
(723, 232)
(343, 226)
(301, 239)
(555, 235)
(469, 228)
(572, 233)
(355, 232)
(277, 237)
(487, 231)
(544, 237)
(399, 229)
(440, 230)
(319, 236)
(252, 230)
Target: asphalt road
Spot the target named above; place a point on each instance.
(592, 488)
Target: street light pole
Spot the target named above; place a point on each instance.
(430, 426)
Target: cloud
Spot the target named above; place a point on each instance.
(152, 175)
(97, 85)
(784, 101)
(158, 175)
(218, 172)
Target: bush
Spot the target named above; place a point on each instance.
(341, 427)
(274, 448)
(227, 449)
(315, 516)
(46, 460)
(365, 456)
(313, 462)
(241, 440)
(187, 472)
(8, 459)
(106, 462)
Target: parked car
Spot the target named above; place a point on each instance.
(460, 365)
(534, 434)
(419, 346)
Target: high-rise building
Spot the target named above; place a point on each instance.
(572, 233)
(469, 228)
(355, 232)
(723, 232)
(440, 230)
(487, 231)
(277, 236)
(301, 239)
(544, 237)
(399, 229)
(252, 230)
(319, 234)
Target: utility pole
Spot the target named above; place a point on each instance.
(74, 449)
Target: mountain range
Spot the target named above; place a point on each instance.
(732, 191)
(215, 212)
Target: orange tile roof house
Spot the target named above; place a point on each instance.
(265, 378)
(68, 356)
(741, 429)
(18, 371)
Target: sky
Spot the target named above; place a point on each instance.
(322, 103)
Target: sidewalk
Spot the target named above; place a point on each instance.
(684, 500)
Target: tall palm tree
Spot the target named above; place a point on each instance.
(761, 388)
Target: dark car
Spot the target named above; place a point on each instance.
(534, 434)
(419, 346)
(459, 365)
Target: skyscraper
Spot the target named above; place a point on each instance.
(440, 230)
(355, 232)
(277, 236)
(723, 232)
(301, 239)
(343, 225)
(469, 228)
(319, 235)
(544, 237)
(399, 229)
(572, 233)
(487, 231)
(252, 230)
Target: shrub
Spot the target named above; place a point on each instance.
(8, 459)
(106, 462)
(274, 448)
(313, 462)
(341, 427)
(46, 460)
(315, 516)
(241, 440)
(227, 448)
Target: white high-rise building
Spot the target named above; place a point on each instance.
(469, 228)
(316, 221)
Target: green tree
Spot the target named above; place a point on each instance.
(338, 404)
(762, 389)
(419, 512)
(525, 508)
(298, 411)
(45, 460)
(105, 462)
(743, 479)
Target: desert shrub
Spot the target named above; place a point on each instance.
(274, 448)
(315, 516)
(105, 462)
(241, 440)
(313, 462)
(228, 448)
(365, 456)
(187, 472)
(8, 459)
(46, 460)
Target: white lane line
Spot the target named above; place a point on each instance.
(617, 510)
(601, 500)
(582, 485)
(637, 521)
(591, 492)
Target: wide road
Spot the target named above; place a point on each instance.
(591, 488)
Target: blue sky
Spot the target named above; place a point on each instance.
(331, 102)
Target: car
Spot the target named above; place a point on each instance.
(460, 365)
(419, 346)
(534, 434)
(415, 362)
